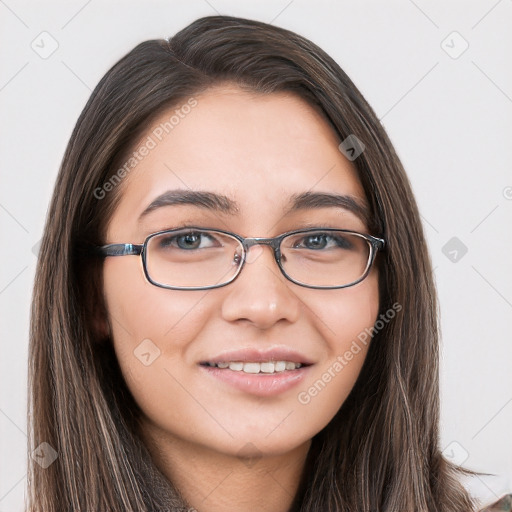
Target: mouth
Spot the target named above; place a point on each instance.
(255, 367)
(263, 373)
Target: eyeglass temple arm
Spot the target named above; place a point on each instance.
(379, 243)
(119, 250)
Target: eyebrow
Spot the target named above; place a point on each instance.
(223, 204)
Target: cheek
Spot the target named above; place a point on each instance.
(152, 329)
(139, 310)
(346, 314)
(345, 318)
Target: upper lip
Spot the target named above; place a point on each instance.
(260, 356)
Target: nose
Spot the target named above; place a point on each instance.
(261, 295)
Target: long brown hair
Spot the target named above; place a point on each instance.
(381, 451)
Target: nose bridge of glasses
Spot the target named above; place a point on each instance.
(272, 242)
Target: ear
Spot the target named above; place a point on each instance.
(100, 325)
(100, 322)
(96, 309)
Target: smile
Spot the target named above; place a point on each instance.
(254, 367)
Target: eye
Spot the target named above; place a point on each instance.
(188, 241)
(319, 241)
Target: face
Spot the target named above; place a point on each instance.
(259, 151)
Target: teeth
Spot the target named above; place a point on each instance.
(267, 367)
(252, 367)
(280, 366)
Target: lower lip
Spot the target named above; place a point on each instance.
(259, 384)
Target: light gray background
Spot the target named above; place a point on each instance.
(449, 116)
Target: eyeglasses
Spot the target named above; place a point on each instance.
(195, 258)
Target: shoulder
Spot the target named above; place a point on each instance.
(504, 504)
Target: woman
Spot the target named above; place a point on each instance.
(176, 363)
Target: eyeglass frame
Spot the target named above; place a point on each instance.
(129, 249)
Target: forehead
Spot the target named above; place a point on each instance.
(259, 150)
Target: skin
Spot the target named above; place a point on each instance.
(258, 150)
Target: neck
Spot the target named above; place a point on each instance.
(211, 481)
